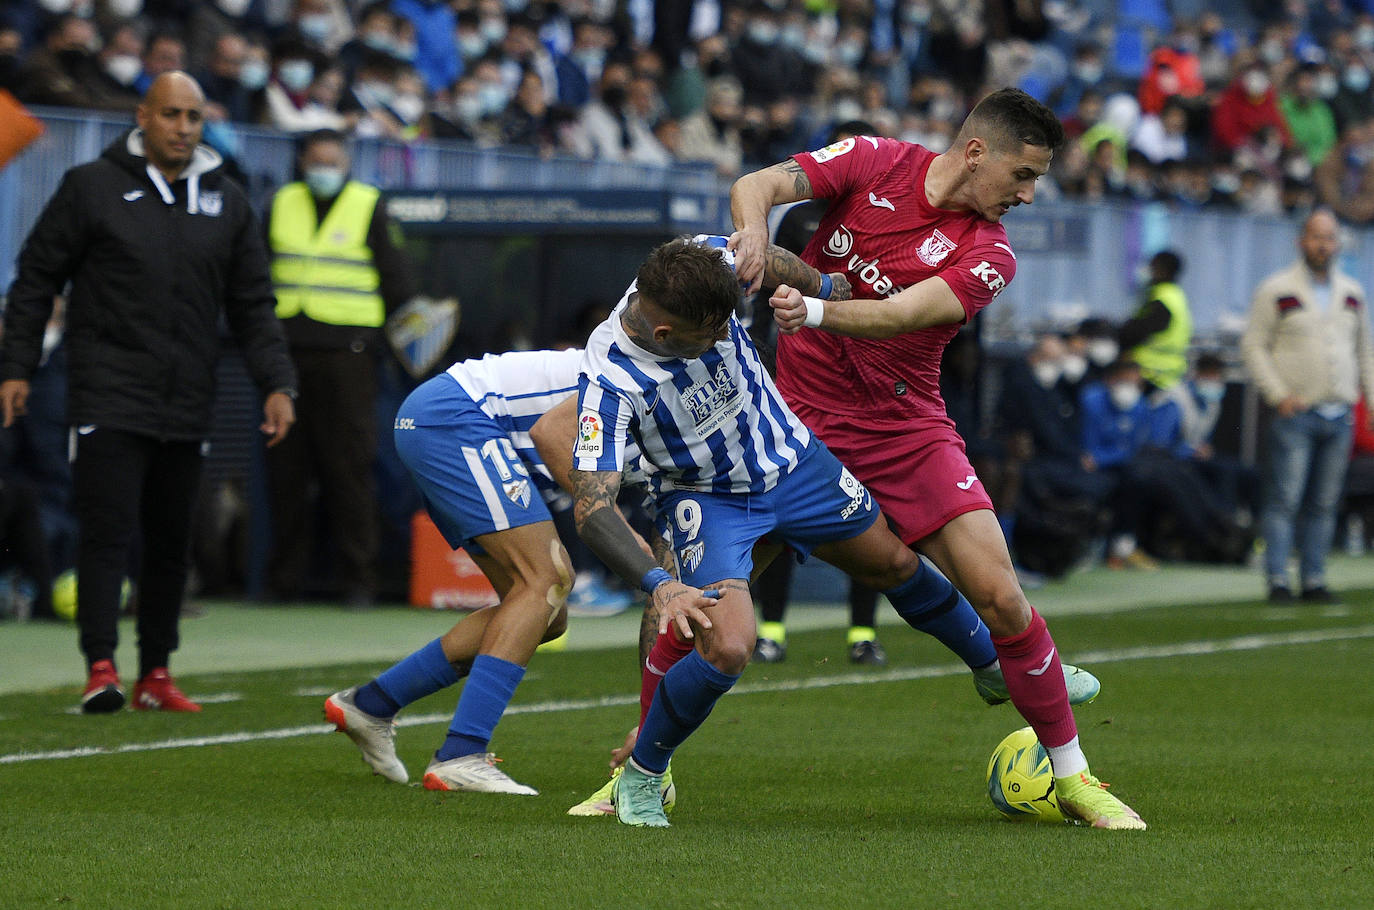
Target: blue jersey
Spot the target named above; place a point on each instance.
(713, 424)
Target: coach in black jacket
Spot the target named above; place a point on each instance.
(156, 243)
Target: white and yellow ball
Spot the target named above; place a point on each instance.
(1021, 780)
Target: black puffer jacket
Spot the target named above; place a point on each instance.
(152, 267)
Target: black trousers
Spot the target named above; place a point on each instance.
(334, 445)
(126, 484)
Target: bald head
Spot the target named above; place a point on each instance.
(171, 116)
(1320, 241)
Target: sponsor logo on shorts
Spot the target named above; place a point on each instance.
(405, 423)
(858, 494)
(690, 556)
(590, 441)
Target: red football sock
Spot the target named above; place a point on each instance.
(668, 649)
(1035, 682)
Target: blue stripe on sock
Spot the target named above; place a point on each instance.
(930, 604)
(424, 672)
(488, 690)
(684, 699)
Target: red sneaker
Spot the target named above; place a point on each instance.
(103, 693)
(157, 692)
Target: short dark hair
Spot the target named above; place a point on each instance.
(690, 281)
(1009, 117)
(1166, 264)
(851, 128)
(1210, 362)
(311, 139)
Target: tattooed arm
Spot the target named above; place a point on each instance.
(752, 196)
(784, 267)
(608, 535)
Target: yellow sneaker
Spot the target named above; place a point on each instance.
(602, 803)
(1084, 799)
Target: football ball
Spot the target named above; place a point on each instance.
(1020, 779)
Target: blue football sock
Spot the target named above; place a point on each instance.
(930, 604)
(422, 673)
(488, 690)
(684, 698)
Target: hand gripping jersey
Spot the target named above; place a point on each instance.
(883, 234)
(714, 424)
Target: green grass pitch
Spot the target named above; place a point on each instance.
(1241, 733)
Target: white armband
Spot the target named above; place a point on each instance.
(815, 311)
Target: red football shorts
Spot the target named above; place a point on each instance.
(916, 468)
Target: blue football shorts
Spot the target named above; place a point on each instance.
(713, 534)
(471, 478)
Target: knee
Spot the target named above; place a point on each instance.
(729, 655)
(557, 625)
(901, 564)
(1002, 607)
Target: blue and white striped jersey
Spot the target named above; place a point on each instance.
(714, 424)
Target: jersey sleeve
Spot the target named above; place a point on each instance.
(604, 417)
(980, 273)
(847, 165)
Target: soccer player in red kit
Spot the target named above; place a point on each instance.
(916, 236)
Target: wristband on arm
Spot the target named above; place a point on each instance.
(827, 285)
(653, 578)
(815, 311)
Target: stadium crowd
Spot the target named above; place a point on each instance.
(1263, 107)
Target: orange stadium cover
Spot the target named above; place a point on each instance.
(18, 127)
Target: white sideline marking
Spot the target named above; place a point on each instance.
(1151, 652)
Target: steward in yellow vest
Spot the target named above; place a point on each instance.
(338, 270)
(1158, 335)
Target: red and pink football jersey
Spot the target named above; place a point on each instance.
(881, 232)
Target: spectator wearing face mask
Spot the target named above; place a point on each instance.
(1158, 335)
(1115, 428)
(222, 80)
(1307, 114)
(289, 105)
(64, 72)
(121, 64)
(1344, 181)
(338, 270)
(1350, 98)
(580, 68)
(1247, 107)
(765, 67)
(611, 129)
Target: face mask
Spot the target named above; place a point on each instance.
(379, 41)
(494, 30)
(1271, 52)
(1210, 391)
(233, 8)
(409, 108)
(126, 9)
(916, 14)
(296, 75)
(1356, 78)
(1187, 44)
(1046, 374)
(793, 36)
(56, 7)
(253, 75)
(1102, 351)
(1090, 73)
(849, 54)
(1124, 395)
(1364, 36)
(123, 68)
(1255, 83)
(324, 182)
(381, 92)
(472, 46)
(468, 108)
(1327, 86)
(590, 59)
(1073, 366)
(765, 33)
(316, 26)
(493, 99)
(406, 52)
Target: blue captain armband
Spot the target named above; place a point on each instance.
(827, 285)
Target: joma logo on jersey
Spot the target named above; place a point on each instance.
(934, 249)
(985, 273)
(712, 400)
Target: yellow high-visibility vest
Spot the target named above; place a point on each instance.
(325, 270)
(1163, 357)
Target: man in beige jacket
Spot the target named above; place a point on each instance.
(1307, 347)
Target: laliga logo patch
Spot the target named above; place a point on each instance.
(518, 492)
(589, 438)
(840, 242)
(690, 555)
(934, 249)
(834, 150)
